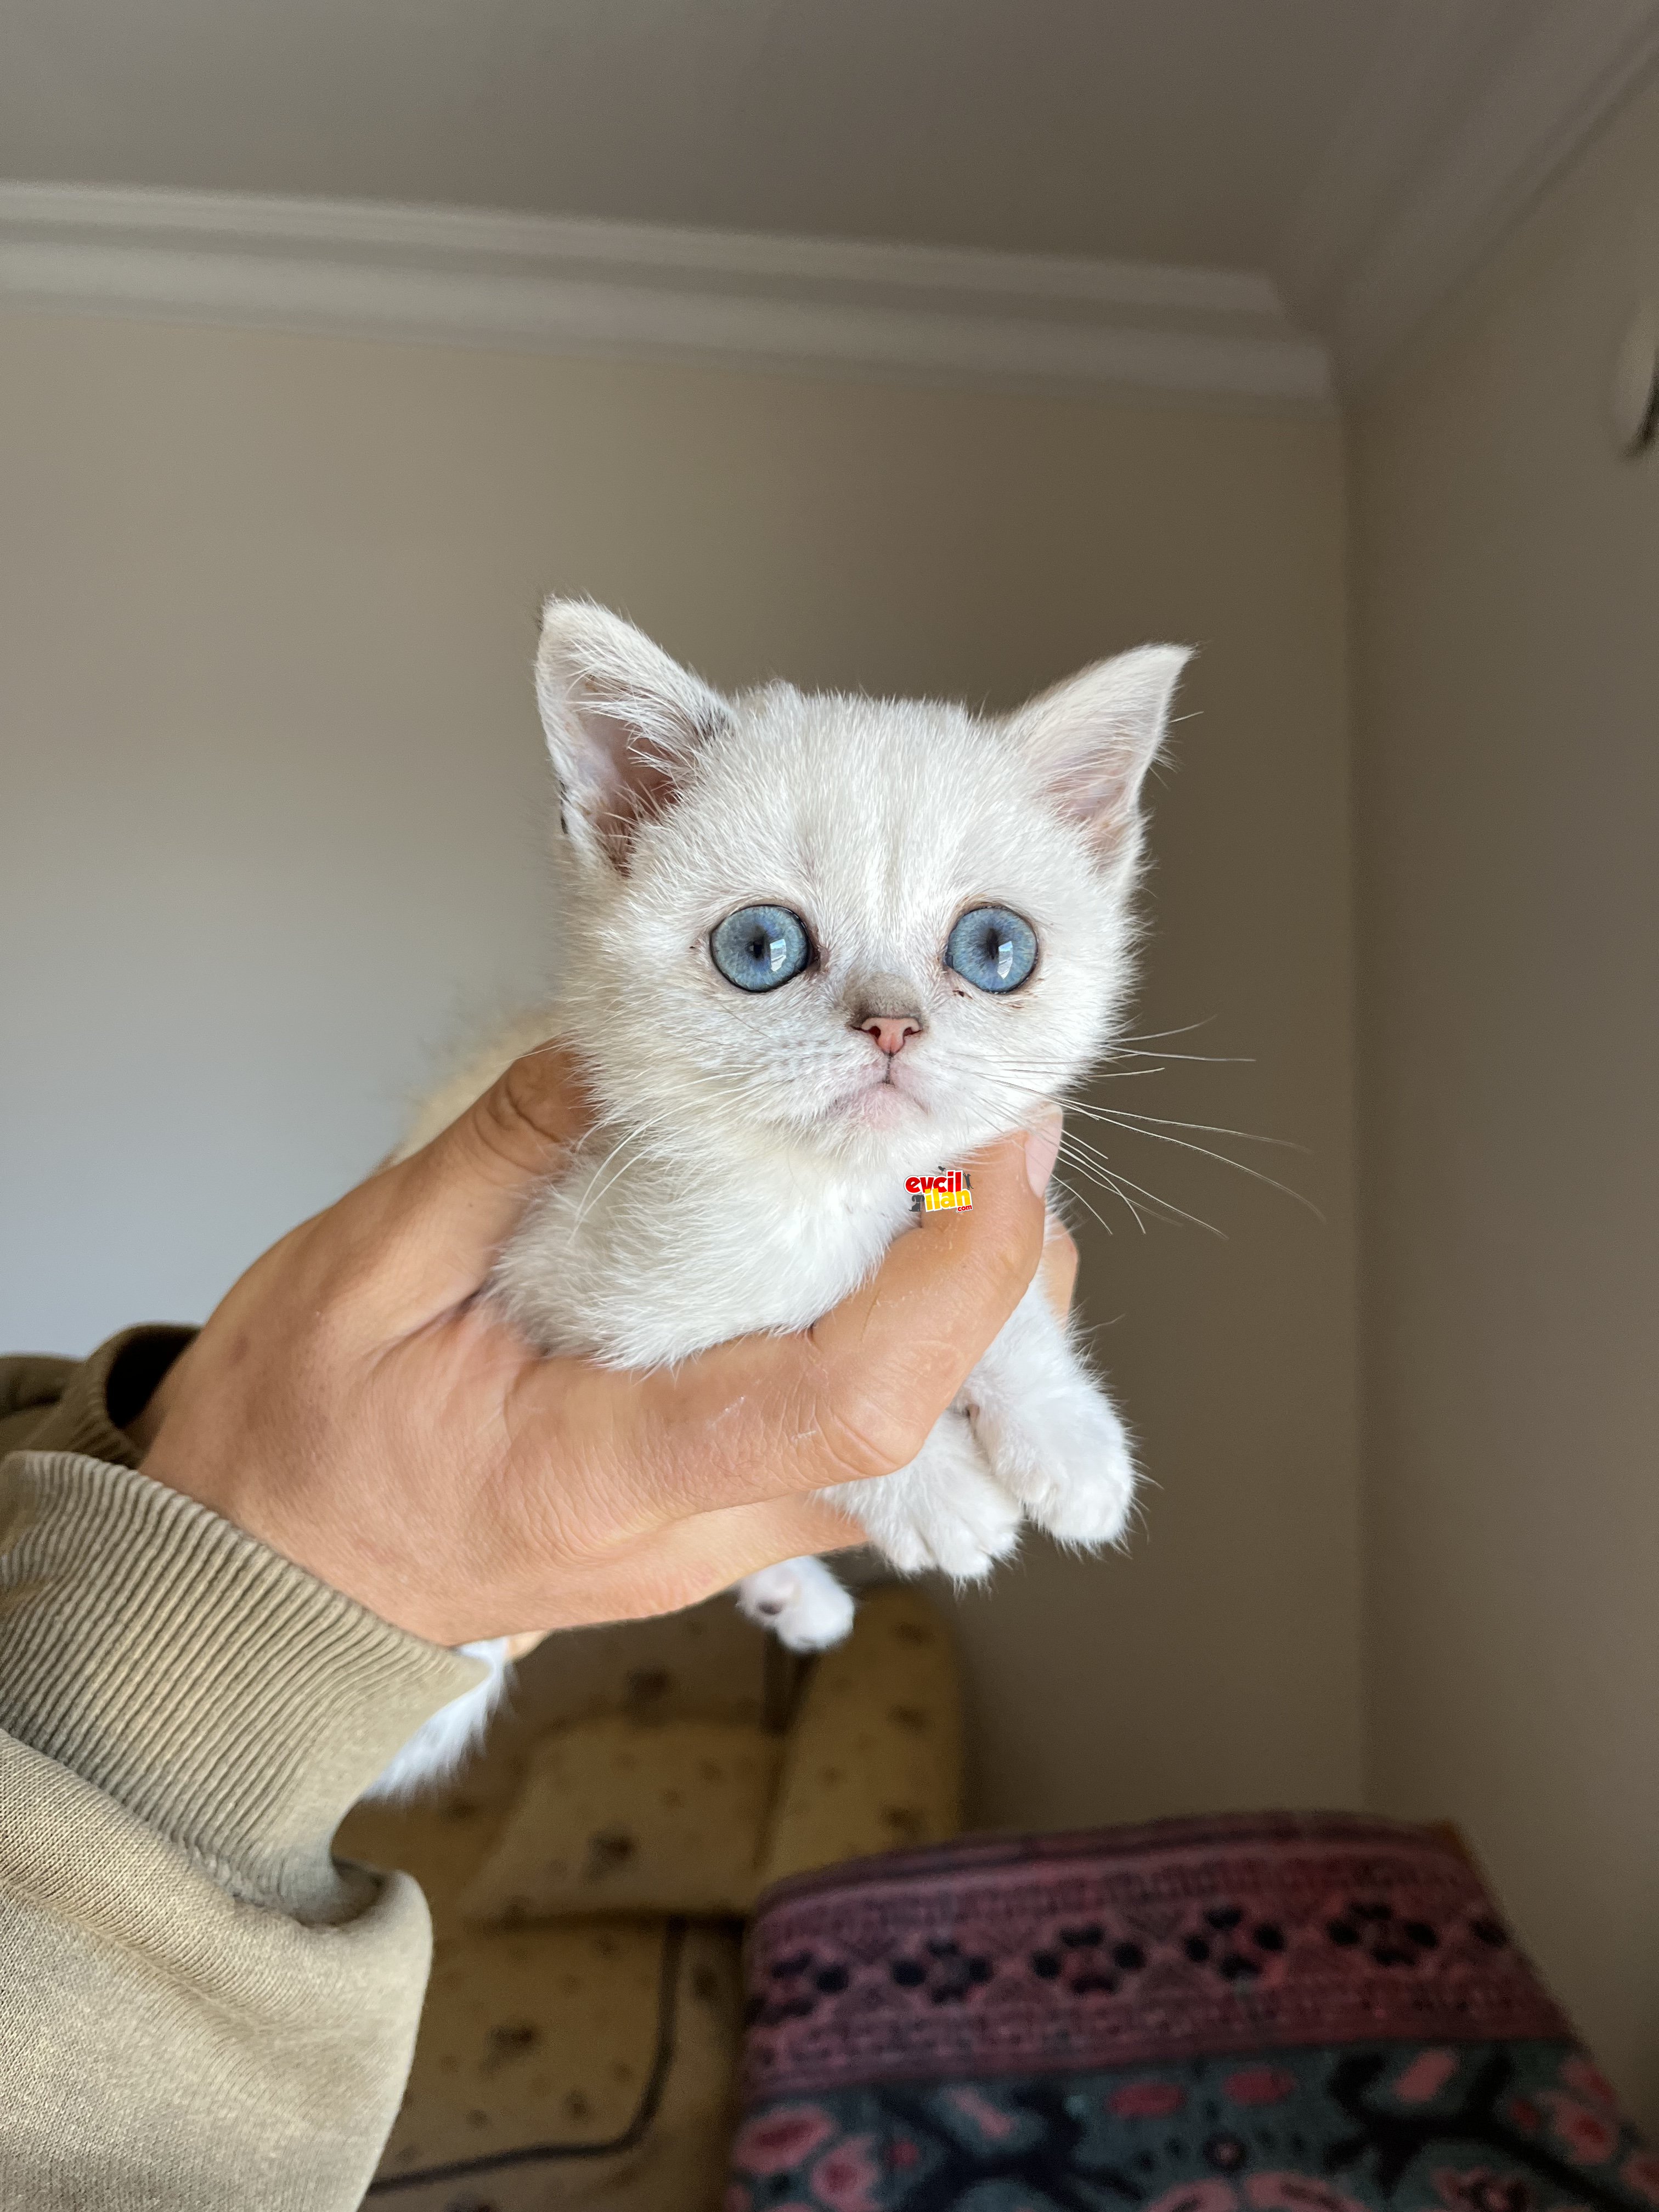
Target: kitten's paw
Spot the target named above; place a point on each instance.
(944, 1510)
(800, 1601)
(965, 1535)
(1067, 1461)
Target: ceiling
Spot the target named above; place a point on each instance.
(1290, 137)
(1175, 131)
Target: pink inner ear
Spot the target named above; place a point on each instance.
(636, 779)
(1099, 792)
(623, 722)
(1094, 736)
(620, 779)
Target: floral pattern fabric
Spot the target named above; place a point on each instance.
(927, 2034)
(1479, 2127)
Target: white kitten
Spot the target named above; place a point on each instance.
(812, 946)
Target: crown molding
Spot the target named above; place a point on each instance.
(455, 276)
(1473, 109)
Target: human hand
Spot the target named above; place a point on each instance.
(354, 1403)
(1057, 1272)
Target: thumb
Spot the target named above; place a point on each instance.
(458, 1199)
(858, 1393)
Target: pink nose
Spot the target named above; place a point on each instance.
(890, 1031)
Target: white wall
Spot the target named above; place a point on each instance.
(1508, 805)
(274, 805)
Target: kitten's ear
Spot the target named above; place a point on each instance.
(1095, 736)
(624, 724)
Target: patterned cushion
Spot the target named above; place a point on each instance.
(1276, 2014)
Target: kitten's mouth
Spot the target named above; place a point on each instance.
(883, 1101)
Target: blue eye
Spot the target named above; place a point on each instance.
(759, 947)
(994, 949)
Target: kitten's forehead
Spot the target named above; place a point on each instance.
(891, 808)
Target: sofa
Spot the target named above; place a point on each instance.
(590, 1874)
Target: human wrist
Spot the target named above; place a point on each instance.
(255, 1705)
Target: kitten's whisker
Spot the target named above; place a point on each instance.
(1168, 1205)
(1101, 1075)
(1079, 1145)
(1163, 1137)
(1087, 1208)
(1202, 1059)
(1116, 1178)
(1125, 1118)
(1088, 1162)
(635, 1133)
(1151, 1036)
(1130, 1047)
(729, 1090)
(709, 1083)
(595, 1189)
(1103, 1182)
(1112, 1184)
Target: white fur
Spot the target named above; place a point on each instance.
(748, 1166)
(452, 1735)
(800, 1601)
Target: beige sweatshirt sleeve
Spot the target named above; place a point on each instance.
(199, 2008)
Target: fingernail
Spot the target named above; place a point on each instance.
(1042, 1148)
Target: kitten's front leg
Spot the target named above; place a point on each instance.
(1050, 1433)
(943, 1511)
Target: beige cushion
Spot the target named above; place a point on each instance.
(708, 1663)
(873, 1760)
(576, 2061)
(559, 2065)
(618, 1814)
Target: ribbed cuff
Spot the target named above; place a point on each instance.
(231, 1700)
